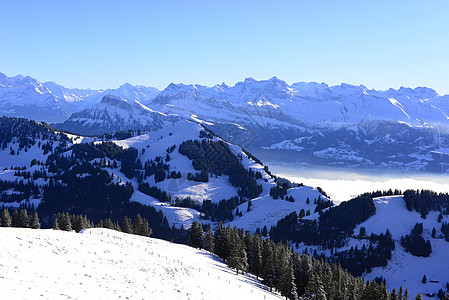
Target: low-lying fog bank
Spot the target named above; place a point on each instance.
(343, 184)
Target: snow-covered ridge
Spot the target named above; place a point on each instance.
(115, 113)
(101, 263)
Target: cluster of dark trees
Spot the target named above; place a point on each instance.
(424, 201)
(357, 261)
(155, 167)
(279, 191)
(444, 230)
(22, 190)
(202, 176)
(415, 243)
(154, 192)
(20, 218)
(25, 133)
(220, 211)
(217, 158)
(322, 204)
(382, 193)
(331, 229)
(67, 222)
(292, 274)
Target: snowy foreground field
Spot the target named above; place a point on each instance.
(105, 264)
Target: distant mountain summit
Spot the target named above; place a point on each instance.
(115, 113)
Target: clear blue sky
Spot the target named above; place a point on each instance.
(102, 44)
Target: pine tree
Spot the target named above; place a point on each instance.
(65, 223)
(6, 218)
(418, 297)
(196, 236)
(141, 226)
(406, 295)
(221, 241)
(256, 261)
(23, 219)
(77, 223)
(137, 224)
(56, 223)
(287, 279)
(314, 289)
(401, 293)
(209, 240)
(126, 225)
(108, 224)
(269, 264)
(375, 291)
(15, 220)
(34, 221)
(237, 257)
(424, 279)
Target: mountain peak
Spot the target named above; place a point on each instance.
(113, 100)
(126, 85)
(250, 80)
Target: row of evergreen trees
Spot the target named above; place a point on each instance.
(19, 219)
(288, 272)
(68, 222)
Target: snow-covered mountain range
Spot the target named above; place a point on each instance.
(24, 96)
(313, 123)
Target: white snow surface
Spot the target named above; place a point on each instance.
(105, 264)
(266, 211)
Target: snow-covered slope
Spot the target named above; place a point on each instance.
(105, 264)
(155, 146)
(113, 114)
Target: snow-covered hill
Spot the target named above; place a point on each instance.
(105, 264)
(265, 211)
(404, 269)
